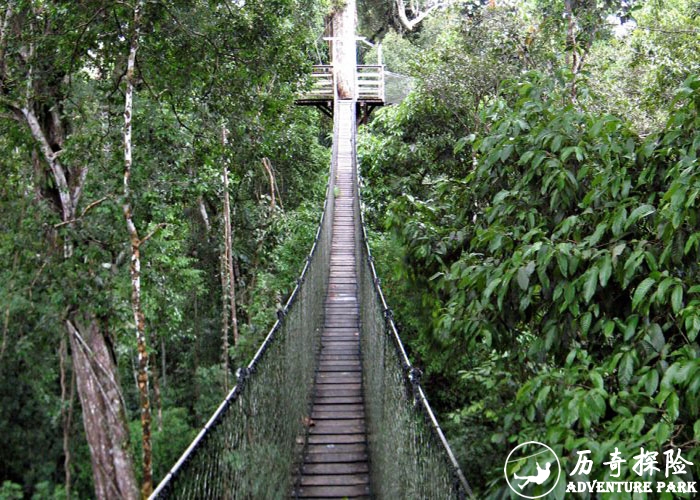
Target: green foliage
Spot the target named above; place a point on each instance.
(636, 73)
(171, 434)
(11, 491)
(201, 65)
(563, 269)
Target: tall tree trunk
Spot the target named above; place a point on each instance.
(135, 268)
(343, 49)
(103, 410)
(571, 49)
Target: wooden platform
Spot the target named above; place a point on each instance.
(335, 461)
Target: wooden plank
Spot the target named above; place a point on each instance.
(336, 391)
(330, 458)
(338, 427)
(335, 364)
(339, 400)
(322, 388)
(350, 491)
(338, 377)
(345, 369)
(336, 468)
(336, 438)
(336, 415)
(332, 480)
(339, 408)
(336, 448)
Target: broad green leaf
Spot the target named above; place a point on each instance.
(591, 284)
(524, 277)
(596, 379)
(651, 382)
(639, 213)
(677, 298)
(663, 432)
(586, 323)
(625, 369)
(672, 406)
(642, 291)
(631, 327)
(563, 262)
(605, 270)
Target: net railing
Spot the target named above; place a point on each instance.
(250, 445)
(409, 454)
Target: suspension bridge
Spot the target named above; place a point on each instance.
(330, 406)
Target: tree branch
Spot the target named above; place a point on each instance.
(410, 24)
(82, 214)
(143, 240)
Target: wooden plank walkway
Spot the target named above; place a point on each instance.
(335, 460)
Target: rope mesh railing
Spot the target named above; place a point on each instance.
(249, 446)
(409, 455)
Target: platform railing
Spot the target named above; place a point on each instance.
(369, 82)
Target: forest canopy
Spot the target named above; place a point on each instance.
(532, 205)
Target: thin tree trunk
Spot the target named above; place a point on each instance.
(571, 54)
(229, 252)
(196, 392)
(203, 213)
(156, 393)
(224, 318)
(273, 183)
(163, 374)
(135, 268)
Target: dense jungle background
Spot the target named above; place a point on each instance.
(533, 205)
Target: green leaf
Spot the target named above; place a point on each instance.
(631, 327)
(605, 270)
(597, 380)
(563, 262)
(625, 369)
(651, 382)
(556, 143)
(677, 298)
(655, 337)
(608, 329)
(566, 152)
(591, 284)
(523, 278)
(586, 323)
(642, 291)
(618, 221)
(639, 213)
(663, 432)
(524, 275)
(672, 406)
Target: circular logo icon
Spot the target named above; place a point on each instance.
(532, 470)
